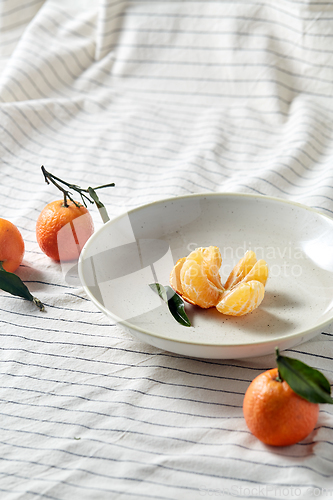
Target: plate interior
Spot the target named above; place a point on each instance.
(142, 246)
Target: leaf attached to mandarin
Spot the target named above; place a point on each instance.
(306, 381)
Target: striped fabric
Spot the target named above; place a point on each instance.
(164, 98)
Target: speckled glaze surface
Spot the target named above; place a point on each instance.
(140, 247)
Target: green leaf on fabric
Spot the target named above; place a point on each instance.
(307, 382)
(11, 283)
(175, 302)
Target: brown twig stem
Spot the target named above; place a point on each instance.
(56, 181)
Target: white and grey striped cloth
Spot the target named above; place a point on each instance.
(164, 98)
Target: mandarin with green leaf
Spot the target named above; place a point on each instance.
(275, 414)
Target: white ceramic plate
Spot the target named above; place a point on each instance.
(140, 247)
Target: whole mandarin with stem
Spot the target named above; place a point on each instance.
(64, 226)
(275, 414)
(63, 229)
(11, 246)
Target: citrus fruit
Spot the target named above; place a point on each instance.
(11, 246)
(175, 280)
(62, 231)
(199, 276)
(275, 414)
(196, 278)
(245, 286)
(241, 269)
(242, 299)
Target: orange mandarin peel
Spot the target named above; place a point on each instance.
(196, 278)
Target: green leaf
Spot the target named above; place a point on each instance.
(160, 290)
(11, 283)
(177, 307)
(175, 302)
(99, 204)
(307, 382)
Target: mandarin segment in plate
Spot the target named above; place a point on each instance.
(175, 276)
(259, 272)
(175, 280)
(211, 264)
(199, 277)
(196, 278)
(242, 299)
(241, 269)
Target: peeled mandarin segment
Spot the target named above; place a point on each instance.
(242, 299)
(212, 261)
(187, 299)
(196, 285)
(175, 281)
(241, 269)
(175, 276)
(259, 272)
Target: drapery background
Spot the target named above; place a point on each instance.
(164, 98)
